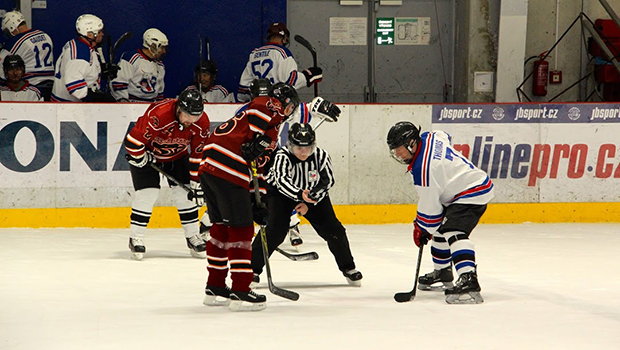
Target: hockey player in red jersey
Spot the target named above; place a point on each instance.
(171, 135)
(225, 175)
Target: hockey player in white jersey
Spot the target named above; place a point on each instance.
(15, 88)
(205, 75)
(78, 69)
(453, 196)
(275, 62)
(141, 75)
(35, 48)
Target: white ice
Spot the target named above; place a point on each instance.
(546, 286)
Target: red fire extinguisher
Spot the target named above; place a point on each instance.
(541, 76)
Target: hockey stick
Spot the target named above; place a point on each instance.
(190, 192)
(299, 256)
(124, 37)
(305, 43)
(284, 293)
(199, 73)
(408, 296)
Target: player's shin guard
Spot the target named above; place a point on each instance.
(217, 256)
(240, 255)
(462, 251)
(141, 210)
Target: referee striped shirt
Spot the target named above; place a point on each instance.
(291, 176)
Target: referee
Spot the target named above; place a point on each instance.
(299, 178)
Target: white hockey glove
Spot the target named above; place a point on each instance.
(324, 109)
(198, 194)
(143, 161)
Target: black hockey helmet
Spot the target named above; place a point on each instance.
(401, 134)
(301, 135)
(260, 87)
(207, 66)
(190, 102)
(287, 95)
(12, 62)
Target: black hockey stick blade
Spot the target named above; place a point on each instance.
(126, 36)
(300, 39)
(299, 256)
(408, 296)
(284, 293)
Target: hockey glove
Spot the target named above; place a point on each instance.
(324, 109)
(260, 214)
(420, 236)
(197, 195)
(252, 150)
(140, 162)
(313, 75)
(109, 71)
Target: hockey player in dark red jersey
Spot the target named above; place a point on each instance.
(225, 174)
(171, 134)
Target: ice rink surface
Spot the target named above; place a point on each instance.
(546, 286)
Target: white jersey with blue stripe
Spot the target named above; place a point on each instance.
(273, 62)
(26, 93)
(78, 69)
(140, 78)
(36, 48)
(215, 94)
(443, 176)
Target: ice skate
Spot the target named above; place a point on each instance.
(247, 301)
(204, 232)
(438, 280)
(466, 291)
(216, 296)
(295, 236)
(255, 281)
(354, 277)
(136, 245)
(197, 247)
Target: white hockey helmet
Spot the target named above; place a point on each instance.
(88, 23)
(11, 21)
(154, 40)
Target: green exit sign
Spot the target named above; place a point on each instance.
(385, 31)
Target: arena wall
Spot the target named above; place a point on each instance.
(63, 165)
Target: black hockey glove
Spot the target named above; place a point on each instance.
(252, 150)
(109, 71)
(260, 214)
(141, 162)
(98, 96)
(324, 109)
(313, 75)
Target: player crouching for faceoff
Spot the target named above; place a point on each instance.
(225, 175)
(300, 178)
(164, 137)
(453, 195)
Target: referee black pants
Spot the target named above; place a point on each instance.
(322, 218)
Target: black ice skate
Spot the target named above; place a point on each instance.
(216, 296)
(438, 280)
(136, 245)
(197, 247)
(353, 277)
(466, 291)
(205, 232)
(247, 301)
(255, 281)
(295, 236)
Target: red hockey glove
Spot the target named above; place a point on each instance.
(420, 236)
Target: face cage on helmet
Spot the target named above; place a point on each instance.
(408, 148)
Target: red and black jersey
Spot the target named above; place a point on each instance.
(158, 131)
(222, 154)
